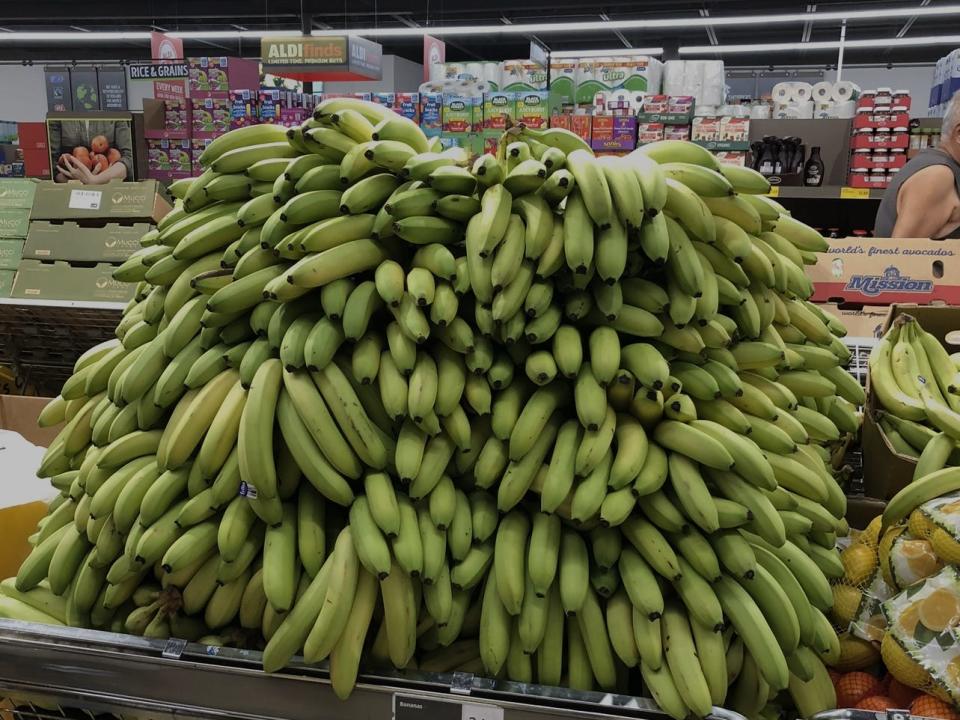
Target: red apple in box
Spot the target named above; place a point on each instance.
(99, 144)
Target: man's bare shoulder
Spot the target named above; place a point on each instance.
(937, 180)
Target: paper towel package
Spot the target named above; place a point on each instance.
(491, 75)
(845, 90)
(563, 79)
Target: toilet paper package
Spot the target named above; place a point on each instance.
(472, 71)
(673, 77)
(713, 83)
(845, 110)
(822, 92)
(437, 71)
(491, 75)
(824, 110)
(801, 92)
(782, 93)
(845, 90)
(793, 110)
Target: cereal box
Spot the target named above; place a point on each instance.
(533, 109)
(243, 108)
(208, 74)
(705, 128)
(210, 117)
(387, 99)
(431, 113)
(735, 129)
(408, 105)
(613, 132)
(169, 155)
(649, 132)
(457, 114)
(197, 146)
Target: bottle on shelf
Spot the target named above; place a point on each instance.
(813, 170)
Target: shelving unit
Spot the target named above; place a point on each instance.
(832, 192)
(131, 676)
(41, 339)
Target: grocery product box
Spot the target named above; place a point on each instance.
(6, 282)
(61, 280)
(731, 157)
(408, 105)
(705, 128)
(210, 116)
(735, 129)
(533, 108)
(17, 193)
(875, 180)
(885, 471)
(612, 133)
(14, 222)
(649, 132)
(221, 74)
(499, 110)
(877, 161)
(387, 99)
(431, 113)
(243, 108)
(11, 250)
(169, 155)
(882, 271)
(861, 321)
(166, 118)
(109, 242)
(23, 496)
(197, 146)
(457, 115)
(676, 132)
(581, 125)
(144, 200)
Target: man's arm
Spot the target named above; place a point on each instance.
(925, 203)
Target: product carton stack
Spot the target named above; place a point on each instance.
(78, 234)
(177, 130)
(881, 138)
(16, 199)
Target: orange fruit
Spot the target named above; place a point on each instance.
(908, 619)
(871, 534)
(859, 562)
(855, 653)
(953, 671)
(854, 686)
(113, 155)
(902, 695)
(903, 667)
(940, 610)
(99, 144)
(920, 525)
(945, 546)
(916, 561)
(846, 602)
(875, 702)
(929, 706)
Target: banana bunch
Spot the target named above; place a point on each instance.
(556, 416)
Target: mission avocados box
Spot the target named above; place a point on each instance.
(883, 271)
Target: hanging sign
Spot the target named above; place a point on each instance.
(333, 58)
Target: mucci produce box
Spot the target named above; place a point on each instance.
(882, 271)
(23, 496)
(16, 199)
(885, 471)
(78, 232)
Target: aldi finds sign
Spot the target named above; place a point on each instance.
(332, 58)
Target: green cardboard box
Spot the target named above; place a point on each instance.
(17, 193)
(10, 254)
(6, 282)
(111, 242)
(62, 281)
(143, 201)
(14, 222)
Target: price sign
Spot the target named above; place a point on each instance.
(851, 193)
(774, 191)
(85, 199)
(413, 707)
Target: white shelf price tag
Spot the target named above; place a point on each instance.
(414, 707)
(85, 199)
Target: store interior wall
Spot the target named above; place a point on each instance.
(24, 99)
(399, 75)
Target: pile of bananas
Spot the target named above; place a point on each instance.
(548, 418)
(917, 386)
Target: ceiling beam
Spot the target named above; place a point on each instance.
(808, 26)
(910, 21)
(711, 33)
(620, 35)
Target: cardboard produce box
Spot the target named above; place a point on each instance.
(883, 271)
(861, 321)
(14, 222)
(17, 193)
(62, 281)
(134, 201)
(884, 470)
(6, 282)
(110, 242)
(22, 494)
(10, 254)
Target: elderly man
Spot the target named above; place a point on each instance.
(924, 199)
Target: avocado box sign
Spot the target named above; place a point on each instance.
(330, 58)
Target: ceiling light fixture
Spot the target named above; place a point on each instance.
(607, 52)
(645, 24)
(74, 36)
(822, 45)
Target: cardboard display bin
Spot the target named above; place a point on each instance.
(884, 470)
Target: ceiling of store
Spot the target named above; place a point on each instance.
(183, 15)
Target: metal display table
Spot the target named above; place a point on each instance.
(41, 339)
(134, 677)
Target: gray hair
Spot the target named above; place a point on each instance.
(951, 117)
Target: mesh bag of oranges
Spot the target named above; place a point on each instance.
(858, 594)
(922, 645)
(939, 521)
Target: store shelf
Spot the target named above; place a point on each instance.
(42, 339)
(104, 672)
(834, 192)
